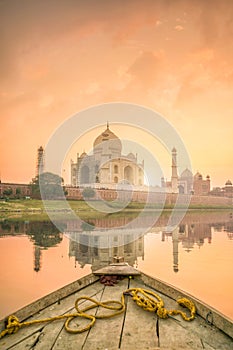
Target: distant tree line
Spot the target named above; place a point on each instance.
(8, 193)
(46, 185)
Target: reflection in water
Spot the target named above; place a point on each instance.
(126, 245)
(88, 238)
(188, 235)
(196, 256)
(43, 235)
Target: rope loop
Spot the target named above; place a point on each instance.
(146, 299)
(84, 329)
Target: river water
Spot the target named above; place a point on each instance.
(197, 256)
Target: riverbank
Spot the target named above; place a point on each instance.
(35, 208)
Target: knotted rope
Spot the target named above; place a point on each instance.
(151, 301)
(146, 299)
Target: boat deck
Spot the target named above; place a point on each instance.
(133, 329)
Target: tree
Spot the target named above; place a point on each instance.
(18, 192)
(48, 186)
(35, 188)
(8, 192)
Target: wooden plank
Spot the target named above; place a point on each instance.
(28, 343)
(122, 269)
(196, 334)
(56, 337)
(107, 332)
(52, 298)
(75, 341)
(64, 306)
(140, 331)
(140, 326)
(218, 320)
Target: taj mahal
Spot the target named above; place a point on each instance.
(108, 169)
(107, 165)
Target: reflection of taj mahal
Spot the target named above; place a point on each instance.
(86, 247)
(107, 165)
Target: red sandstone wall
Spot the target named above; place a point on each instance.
(24, 188)
(143, 196)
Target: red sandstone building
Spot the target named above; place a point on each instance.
(201, 187)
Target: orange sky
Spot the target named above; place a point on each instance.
(58, 57)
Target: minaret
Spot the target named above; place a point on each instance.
(174, 178)
(40, 161)
(37, 258)
(175, 243)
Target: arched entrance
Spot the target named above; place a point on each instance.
(85, 175)
(128, 174)
(181, 189)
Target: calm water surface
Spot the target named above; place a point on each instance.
(35, 258)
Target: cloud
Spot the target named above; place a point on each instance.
(179, 28)
(59, 56)
(214, 21)
(146, 68)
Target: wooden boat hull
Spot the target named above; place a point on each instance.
(133, 329)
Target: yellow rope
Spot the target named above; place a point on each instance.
(151, 301)
(14, 324)
(147, 299)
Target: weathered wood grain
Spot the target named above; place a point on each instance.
(106, 332)
(140, 326)
(218, 320)
(65, 305)
(75, 341)
(52, 298)
(122, 269)
(28, 343)
(135, 329)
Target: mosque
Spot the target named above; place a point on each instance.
(107, 165)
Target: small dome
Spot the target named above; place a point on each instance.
(228, 183)
(131, 156)
(173, 150)
(186, 173)
(198, 176)
(83, 155)
(208, 177)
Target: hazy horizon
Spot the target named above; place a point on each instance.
(60, 57)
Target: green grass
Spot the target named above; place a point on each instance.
(33, 209)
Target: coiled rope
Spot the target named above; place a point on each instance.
(146, 299)
(151, 301)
